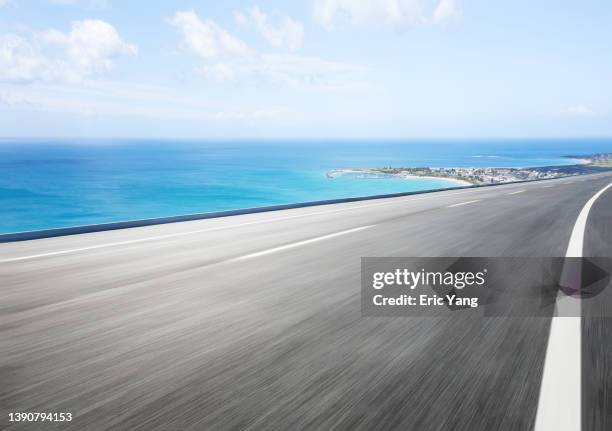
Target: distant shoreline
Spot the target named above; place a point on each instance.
(585, 164)
(368, 173)
(454, 180)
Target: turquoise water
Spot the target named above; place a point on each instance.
(51, 183)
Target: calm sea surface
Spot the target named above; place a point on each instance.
(55, 183)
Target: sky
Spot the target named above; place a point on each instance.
(305, 69)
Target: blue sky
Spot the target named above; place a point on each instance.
(305, 69)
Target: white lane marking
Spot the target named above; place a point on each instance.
(547, 187)
(214, 229)
(463, 203)
(516, 192)
(298, 244)
(129, 286)
(575, 246)
(560, 402)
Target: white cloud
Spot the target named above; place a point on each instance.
(90, 47)
(241, 18)
(446, 9)
(227, 58)
(286, 33)
(3, 2)
(579, 110)
(18, 101)
(220, 72)
(106, 98)
(391, 14)
(87, 50)
(20, 61)
(206, 39)
(312, 73)
(232, 115)
(290, 70)
(99, 4)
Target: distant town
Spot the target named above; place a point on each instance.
(588, 164)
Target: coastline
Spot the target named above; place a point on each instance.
(462, 176)
(370, 173)
(429, 177)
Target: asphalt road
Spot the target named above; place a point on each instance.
(254, 321)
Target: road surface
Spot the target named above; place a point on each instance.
(253, 322)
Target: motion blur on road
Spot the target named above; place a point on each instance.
(253, 322)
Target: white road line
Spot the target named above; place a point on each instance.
(129, 286)
(516, 192)
(298, 244)
(547, 187)
(463, 203)
(575, 246)
(214, 229)
(560, 402)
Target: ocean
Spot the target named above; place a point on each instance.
(56, 183)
